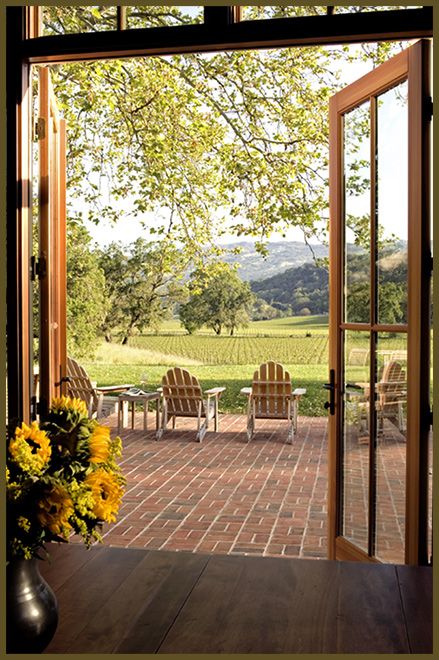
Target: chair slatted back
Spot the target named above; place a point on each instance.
(393, 382)
(79, 385)
(182, 392)
(271, 391)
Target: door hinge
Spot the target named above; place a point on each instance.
(39, 129)
(38, 267)
(430, 418)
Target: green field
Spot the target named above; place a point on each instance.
(300, 344)
(295, 325)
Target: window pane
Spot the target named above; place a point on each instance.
(356, 9)
(249, 13)
(392, 204)
(149, 16)
(357, 214)
(355, 500)
(391, 425)
(64, 20)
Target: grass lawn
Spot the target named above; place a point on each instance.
(300, 344)
(223, 361)
(291, 325)
(233, 377)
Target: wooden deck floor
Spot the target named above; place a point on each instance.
(118, 600)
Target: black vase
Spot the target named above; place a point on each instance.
(31, 608)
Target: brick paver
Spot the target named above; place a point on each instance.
(229, 496)
(225, 495)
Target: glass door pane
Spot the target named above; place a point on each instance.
(391, 446)
(356, 463)
(356, 156)
(392, 204)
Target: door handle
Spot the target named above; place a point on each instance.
(331, 388)
(64, 379)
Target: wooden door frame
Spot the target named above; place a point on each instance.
(52, 243)
(411, 64)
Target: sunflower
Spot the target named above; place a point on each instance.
(107, 494)
(30, 448)
(66, 403)
(54, 511)
(99, 444)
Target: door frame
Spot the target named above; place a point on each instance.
(411, 64)
(24, 47)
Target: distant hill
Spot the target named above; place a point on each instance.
(304, 289)
(282, 255)
(297, 291)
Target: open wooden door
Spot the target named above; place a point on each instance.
(380, 265)
(52, 243)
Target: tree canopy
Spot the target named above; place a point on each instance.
(218, 299)
(142, 283)
(206, 143)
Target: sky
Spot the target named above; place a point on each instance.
(129, 229)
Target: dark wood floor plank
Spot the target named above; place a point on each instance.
(415, 582)
(64, 560)
(172, 576)
(258, 605)
(370, 614)
(117, 600)
(87, 590)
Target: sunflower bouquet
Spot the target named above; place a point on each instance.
(61, 478)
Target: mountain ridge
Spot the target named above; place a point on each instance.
(282, 255)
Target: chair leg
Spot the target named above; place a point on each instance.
(161, 429)
(251, 420)
(292, 421)
(202, 431)
(216, 418)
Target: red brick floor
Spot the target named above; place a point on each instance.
(225, 495)
(264, 497)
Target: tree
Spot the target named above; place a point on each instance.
(142, 285)
(86, 301)
(218, 299)
(239, 135)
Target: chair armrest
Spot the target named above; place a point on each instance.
(299, 391)
(113, 388)
(245, 391)
(215, 391)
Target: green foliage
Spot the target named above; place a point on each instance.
(199, 139)
(304, 287)
(218, 299)
(86, 301)
(141, 285)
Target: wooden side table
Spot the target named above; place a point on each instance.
(127, 400)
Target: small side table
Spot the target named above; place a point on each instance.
(126, 400)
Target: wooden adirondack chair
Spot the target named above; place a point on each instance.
(80, 386)
(392, 395)
(271, 397)
(182, 397)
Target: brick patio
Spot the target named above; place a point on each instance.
(224, 495)
(264, 497)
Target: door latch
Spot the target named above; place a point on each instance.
(330, 405)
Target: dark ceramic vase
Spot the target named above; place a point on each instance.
(31, 608)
